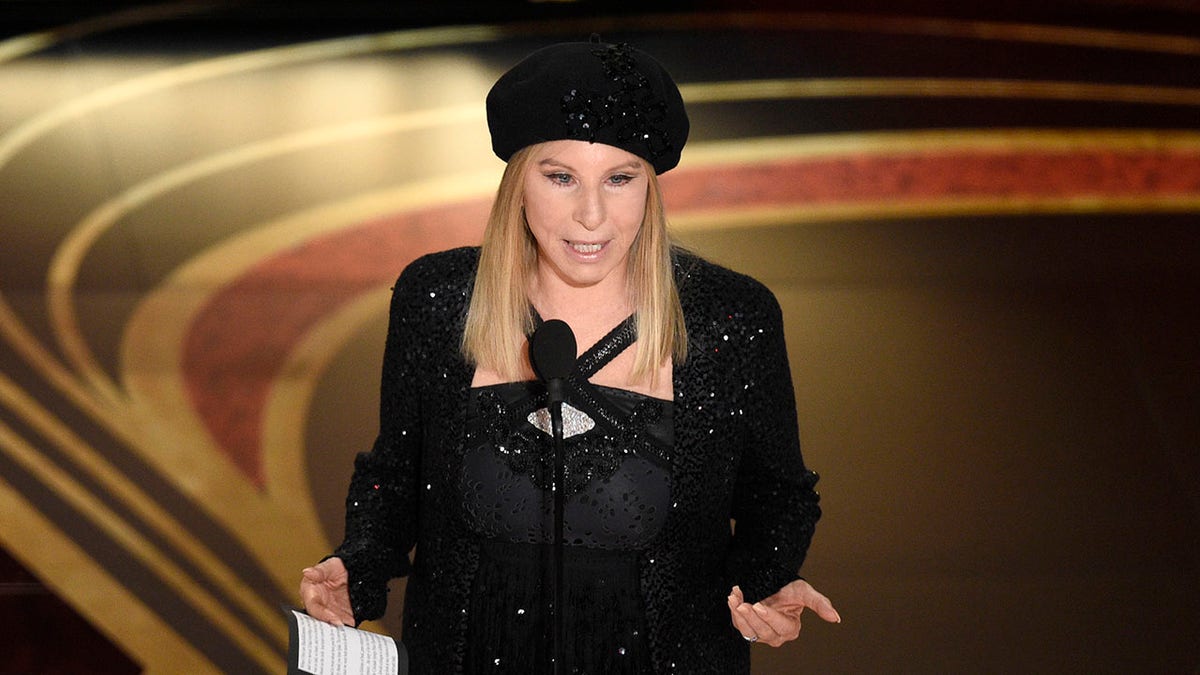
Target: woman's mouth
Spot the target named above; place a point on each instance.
(585, 249)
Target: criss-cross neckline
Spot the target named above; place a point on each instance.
(605, 349)
(597, 356)
(591, 398)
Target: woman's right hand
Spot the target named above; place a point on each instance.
(325, 592)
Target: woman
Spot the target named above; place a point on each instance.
(679, 416)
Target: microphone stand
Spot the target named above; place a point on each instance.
(552, 354)
(555, 395)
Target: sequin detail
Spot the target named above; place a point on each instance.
(637, 114)
(574, 421)
(524, 446)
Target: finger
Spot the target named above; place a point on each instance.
(740, 624)
(735, 598)
(740, 619)
(786, 626)
(309, 594)
(765, 632)
(313, 574)
(317, 603)
(824, 609)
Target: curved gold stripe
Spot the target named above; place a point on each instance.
(126, 490)
(64, 268)
(15, 331)
(938, 88)
(283, 440)
(22, 45)
(28, 132)
(120, 532)
(35, 353)
(89, 588)
(65, 264)
(284, 534)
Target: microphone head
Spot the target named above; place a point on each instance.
(552, 350)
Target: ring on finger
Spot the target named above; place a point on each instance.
(750, 638)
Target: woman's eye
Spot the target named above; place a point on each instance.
(620, 179)
(559, 178)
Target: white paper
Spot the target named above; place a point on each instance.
(331, 650)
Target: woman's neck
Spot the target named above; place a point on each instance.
(591, 311)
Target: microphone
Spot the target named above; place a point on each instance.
(552, 353)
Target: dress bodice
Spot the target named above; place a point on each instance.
(616, 447)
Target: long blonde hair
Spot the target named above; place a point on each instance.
(500, 314)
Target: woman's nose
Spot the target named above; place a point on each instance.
(589, 210)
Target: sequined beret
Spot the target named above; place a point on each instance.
(589, 91)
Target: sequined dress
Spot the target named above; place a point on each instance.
(734, 453)
(616, 451)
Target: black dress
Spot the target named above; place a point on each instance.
(616, 449)
(734, 454)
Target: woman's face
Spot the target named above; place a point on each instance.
(584, 203)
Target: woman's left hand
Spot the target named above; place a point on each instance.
(776, 619)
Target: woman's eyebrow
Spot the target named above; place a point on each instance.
(632, 165)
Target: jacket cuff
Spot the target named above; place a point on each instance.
(367, 588)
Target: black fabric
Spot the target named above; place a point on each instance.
(617, 483)
(736, 455)
(604, 619)
(616, 504)
(600, 93)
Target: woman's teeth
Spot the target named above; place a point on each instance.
(587, 248)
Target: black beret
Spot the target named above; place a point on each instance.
(589, 91)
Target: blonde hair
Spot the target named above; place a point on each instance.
(500, 314)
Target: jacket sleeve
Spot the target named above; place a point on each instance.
(382, 503)
(775, 506)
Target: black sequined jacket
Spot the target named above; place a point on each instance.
(736, 456)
